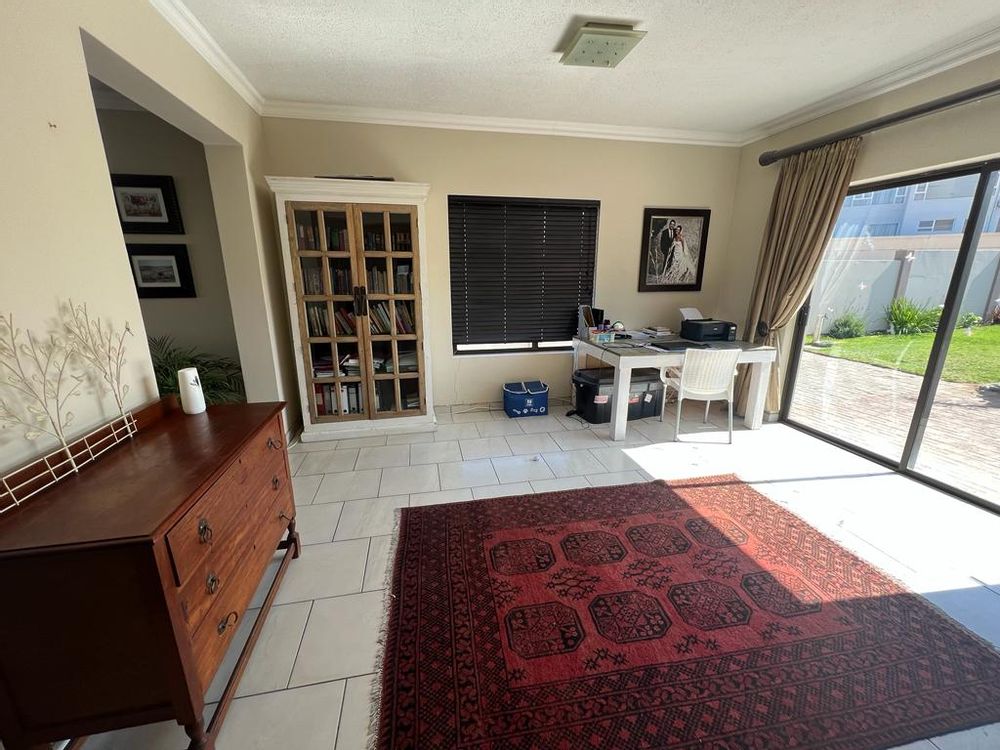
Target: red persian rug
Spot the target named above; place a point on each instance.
(694, 614)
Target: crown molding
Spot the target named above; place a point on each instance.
(192, 30)
(407, 118)
(986, 43)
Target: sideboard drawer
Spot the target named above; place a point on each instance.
(215, 633)
(219, 512)
(217, 570)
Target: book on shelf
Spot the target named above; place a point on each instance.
(344, 321)
(378, 280)
(382, 365)
(379, 320)
(411, 400)
(306, 236)
(404, 280)
(407, 361)
(336, 239)
(401, 242)
(326, 400)
(404, 318)
(350, 365)
(341, 279)
(374, 241)
(312, 279)
(323, 367)
(319, 324)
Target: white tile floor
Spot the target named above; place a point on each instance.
(308, 683)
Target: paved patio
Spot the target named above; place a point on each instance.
(871, 407)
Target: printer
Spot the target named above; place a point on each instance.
(707, 329)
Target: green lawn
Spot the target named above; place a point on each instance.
(971, 358)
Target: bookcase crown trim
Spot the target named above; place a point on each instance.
(349, 191)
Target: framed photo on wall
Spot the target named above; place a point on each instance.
(147, 204)
(673, 249)
(161, 270)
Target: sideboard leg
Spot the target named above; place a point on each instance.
(200, 739)
(293, 537)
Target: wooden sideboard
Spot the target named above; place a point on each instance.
(123, 586)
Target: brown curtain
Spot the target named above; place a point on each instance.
(811, 188)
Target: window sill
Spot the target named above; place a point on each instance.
(512, 352)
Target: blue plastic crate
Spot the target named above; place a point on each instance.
(526, 399)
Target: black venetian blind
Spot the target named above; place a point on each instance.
(519, 268)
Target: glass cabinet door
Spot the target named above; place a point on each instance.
(389, 256)
(322, 244)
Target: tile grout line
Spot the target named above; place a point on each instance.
(340, 716)
(298, 649)
(368, 551)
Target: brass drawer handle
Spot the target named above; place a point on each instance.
(227, 622)
(275, 483)
(212, 583)
(273, 444)
(204, 531)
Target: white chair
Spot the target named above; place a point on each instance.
(707, 375)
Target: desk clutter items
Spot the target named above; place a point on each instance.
(592, 389)
(656, 331)
(525, 398)
(192, 396)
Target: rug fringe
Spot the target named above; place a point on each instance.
(375, 696)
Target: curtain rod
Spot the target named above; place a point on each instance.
(910, 113)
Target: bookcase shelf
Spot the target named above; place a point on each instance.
(352, 254)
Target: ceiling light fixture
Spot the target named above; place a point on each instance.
(601, 45)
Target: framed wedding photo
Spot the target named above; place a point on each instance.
(673, 249)
(147, 204)
(161, 270)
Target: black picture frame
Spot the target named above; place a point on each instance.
(147, 204)
(161, 271)
(668, 265)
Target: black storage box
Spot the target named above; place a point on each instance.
(593, 389)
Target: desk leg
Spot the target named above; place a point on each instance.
(619, 405)
(760, 376)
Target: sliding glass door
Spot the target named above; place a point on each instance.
(898, 350)
(960, 442)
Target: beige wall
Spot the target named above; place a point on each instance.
(142, 143)
(624, 176)
(59, 233)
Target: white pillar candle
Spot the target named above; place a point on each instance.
(189, 384)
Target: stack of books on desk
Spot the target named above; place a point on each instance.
(656, 331)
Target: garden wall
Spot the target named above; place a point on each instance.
(863, 274)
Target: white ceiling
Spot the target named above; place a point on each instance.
(728, 69)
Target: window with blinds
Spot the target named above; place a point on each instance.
(520, 267)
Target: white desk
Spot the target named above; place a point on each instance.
(624, 359)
